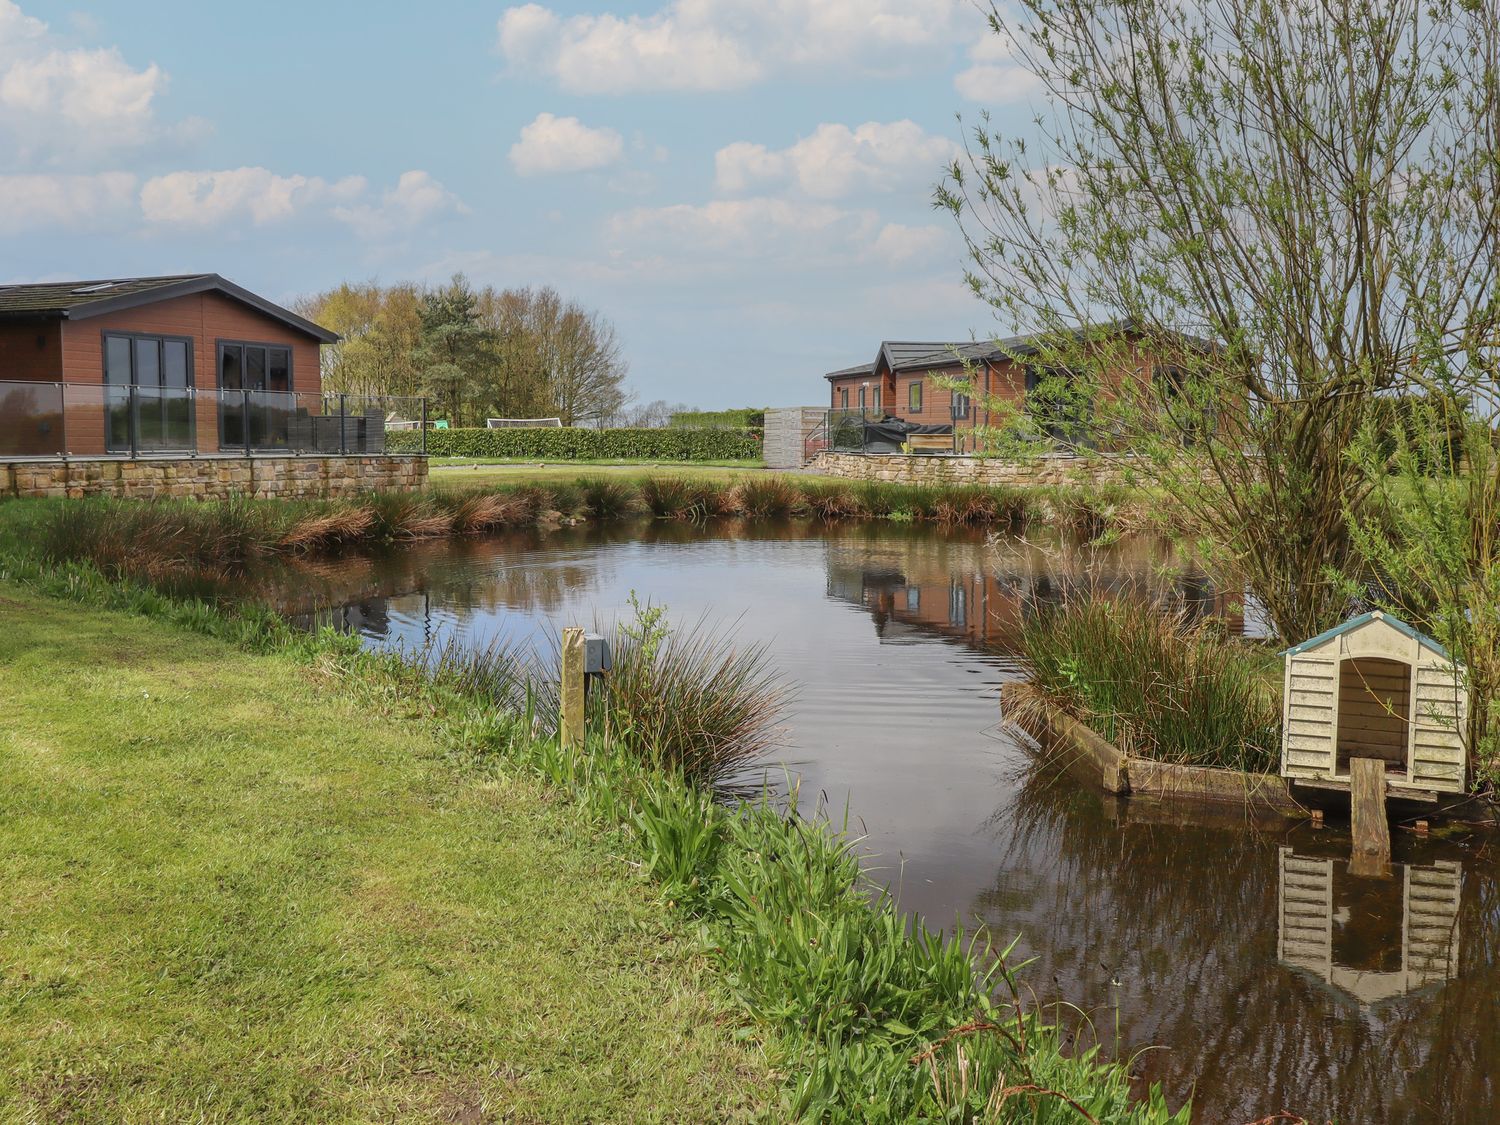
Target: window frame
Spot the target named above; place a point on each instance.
(161, 339)
(914, 396)
(269, 345)
(961, 405)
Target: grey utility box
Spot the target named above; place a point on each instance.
(596, 656)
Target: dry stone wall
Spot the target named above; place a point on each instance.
(912, 468)
(215, 478)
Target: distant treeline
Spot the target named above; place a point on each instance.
(475, 353)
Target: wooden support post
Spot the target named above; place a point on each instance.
(571, 725)
(1372, 832)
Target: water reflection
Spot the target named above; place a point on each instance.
(1270, 977)
(1370, 937)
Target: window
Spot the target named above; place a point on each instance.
(958, 604)
(148, 405)
(914, 397)
(843, 398)
(260, 416)
(877, 399)
(862, 391)
(1186, 406)
(1059, 404)
(913, 599)
(960, 406)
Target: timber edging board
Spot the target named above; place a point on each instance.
(1092, 759)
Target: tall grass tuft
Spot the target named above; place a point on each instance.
(161, 539)
(606, 499)
(1154, 684)
(681, 498)
(772, 498)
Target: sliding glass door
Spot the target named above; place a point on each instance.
(148, 397)
(256, 404)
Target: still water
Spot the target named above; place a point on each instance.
(1264, 975)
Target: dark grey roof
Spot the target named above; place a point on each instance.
(77, 300)
(845, 372)
(909, 355)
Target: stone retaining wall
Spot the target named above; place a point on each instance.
(916, 468)
(215, 477)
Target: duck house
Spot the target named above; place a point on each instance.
(1374, 687)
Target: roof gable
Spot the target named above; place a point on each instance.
(79, 300)
(1364, 620)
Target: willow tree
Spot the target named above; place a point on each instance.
(1294, 202)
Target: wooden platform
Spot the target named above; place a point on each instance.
(1087, 756)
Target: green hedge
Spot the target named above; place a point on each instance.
(747, 418)
(566, 444)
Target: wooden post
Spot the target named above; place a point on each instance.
(1372, 833)
(571, 725)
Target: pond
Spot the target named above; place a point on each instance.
(1265, 975)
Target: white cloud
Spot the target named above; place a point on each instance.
(721, 44)
(79, 202)
(65, 103)
(898, 244)
(207, 199)
(416, 199)
(836, 161)
(553, 144)
(259, 197)
(994, 76)
(728, 232)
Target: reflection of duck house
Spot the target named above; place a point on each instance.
(1374, 687)
(1316, 932)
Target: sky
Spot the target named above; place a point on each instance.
(742, 186)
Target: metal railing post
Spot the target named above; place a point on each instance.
(245, 419)
(62, 403)
(132, 420)
(423, 426)
(343, 424)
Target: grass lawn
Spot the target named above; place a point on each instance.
(234, 893)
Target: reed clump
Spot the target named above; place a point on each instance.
(1153, 683)
(153, 538)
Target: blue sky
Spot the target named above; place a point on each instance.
(742, 186)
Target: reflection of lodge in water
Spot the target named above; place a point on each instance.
(980, 593)
(1340, 926)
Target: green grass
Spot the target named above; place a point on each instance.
(235, 888)
(868, 1016)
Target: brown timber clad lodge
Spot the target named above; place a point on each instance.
(122, 365)
(899, 382)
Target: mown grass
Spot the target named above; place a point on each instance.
(870, 1016)
(237, 888)
(1153, 683)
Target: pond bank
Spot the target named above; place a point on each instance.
(155, 537)
(847, 993)
(231, 863)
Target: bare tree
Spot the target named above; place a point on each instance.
(1309, 185)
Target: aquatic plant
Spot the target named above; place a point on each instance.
(1152, 682)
